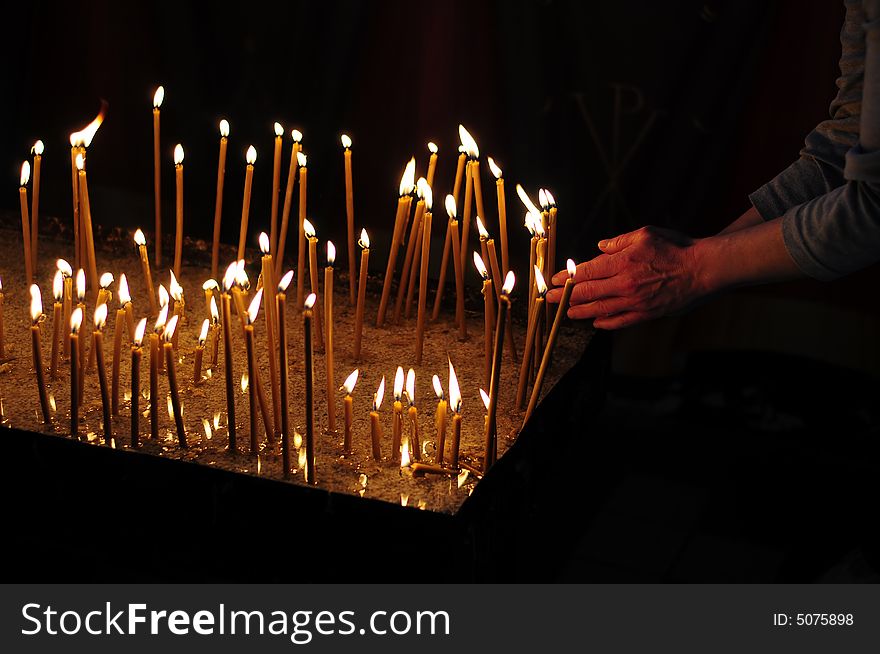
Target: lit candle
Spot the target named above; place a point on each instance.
(530, 338)
(209, 287)
(37, 151)
(65, 269)
(488, 315)
(375, 425)
(459, 173)
(268, 271)
(125, 301)
(432, 163)
(81, 304)
(502, 213)
(158, 96)
(397, 414)
(423, 275)
(85, 214)
(314, 282)
(328, 349)
(455, 406)
(281, 305)
(226, 312)
(440, 419)
(349, 214)
(491, 449)
(407, 182)
(26, 222)
(98, 349)
(348, 387)
(172, 380)
(104, 296)
(76, 319)
(310, 389)
(444, 261)
(302, 161)
(251, 158)
(218, 201)
(37, 350)
(79, 141)
(459, 273)
(551, 229)
(406, 270)
(428, 196)
(288, 200)
(118, 327)
(141, 242)
(215, 332)
(252, 369)
(200, 352)
(178, 233)
(58, 294)
(176, 292)
(412, 413)
(472, 181)
(75, 144)
(155, 356)
(364, 242)
(136, 353)
(276, 191)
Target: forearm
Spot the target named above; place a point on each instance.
(749, 219)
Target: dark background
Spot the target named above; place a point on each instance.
(738, 442)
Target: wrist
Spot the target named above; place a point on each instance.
(704, 260)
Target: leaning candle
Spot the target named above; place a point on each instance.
(141, 242)
(155, 355)
(281, 304)
(171, 364)
(67, 308)
(176, 293)
(349, 214)
(423, 275)
(491, 441)
(455, 406)
(118, 326)
(314, 282)
(530, 338)
(310, 389)
(215, 332)
(98, 349)
(375, 425)
(251, 158)
(226, 312)
(81, 304)
(37, 351)
(407, 182)
(276, 190)
(428, 195)
(75, 142)
(136, 380)
(406, 270)
(58, 294)
(551, 228)
(459, 173)
(252, 370)
(432, 163)
(364, 242)
(268, 271)
(302, 161)
(502, 213)
(439, 419)
(472, 175)
(397, 414)
(37, 151)
(328, 344)
(218, 201)
(200, 352)
(451, 204)
(158, 96)
(26, 222)
(288, 201)
(488, 316)
(104, 296)
(76, 319)
(459, 278)
(85, 214)
(178, 232)
(348, 387)
(412, 413)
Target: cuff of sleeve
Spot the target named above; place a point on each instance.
(862, 166)
(800, 182)
(799, 250)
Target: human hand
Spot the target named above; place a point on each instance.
(641, 275)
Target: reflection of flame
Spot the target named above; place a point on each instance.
(178, 154)
(380, 393)
(405, 459)
(422, 505)
(244, 382)
(251, 156)
(139, 332)
(36, 303)
(285, 281)
(462, 477)
(297, 440)
(217, 420)
(408, 179)
(350, 381)
(539, 282)
(404, 499)
(207, 427)
(224, 128)
(485, 396)
(264, 242)
(259, 464)
(438, 389)
(481, 267)
(364, 240)
(450, 206)
(170, 406)
(302, 460)
(52, 402)
(509, 281)
(362, 480)
(496, 171)
(571, 266)
(126, 396)
(139, 238)
(346, 141)
(331, 253)
(124, 293)
(398, 383)
(454, 390)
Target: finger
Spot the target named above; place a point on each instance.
(601, 308)
(616, 244)
(597, 289)
(621, 320)
(598, 268)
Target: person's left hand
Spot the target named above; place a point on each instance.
(641, 275)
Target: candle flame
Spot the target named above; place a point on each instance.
(241, 277)
(57, 286)
(481, 267)
(158, 96)
(538, 224)
(408, 179)
(25, 173)
(308, 228)
(285, 281)
(217, 420)
(364, 240)
(398, 383)
(139, 238)
(100, 316)
(80, 284)
(454, 390)
(254, 307)
(210, 285)
(163, 296)
(485, 396)
(296, 135)
(350, 381)
(251, 156)
(542, 199)
(509, 281)
(178, 154)
(551, 201)
(170, 405)
(539, 282)
(301, 159)
(571, 266)
(224, 128)
(462, 477)
(105, 280)
(496, 171)
(331, 253)
(420, 187)
(207, 427)
(438, 389)
(432, 147)
(279, 130)
(404, 499)
(139, 332)
(169, 328)
(468, 142)
(76, 319)
(37, 148)
(529, 222)
(229, 276)
(309, 301)
(380, 394)
(411, 386)
(450, 206)
(52, 402)
(264, 243)
(297, 440)
(86, 134)
(481, 228)
(244, 382)
(215, 315)
(124, 293)
(346, 141)
(526, 200)
(64, 267)
(161, 319)
(405, 459)
(203, 335)
(428, 194)
(80, 162)
(36, 303)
